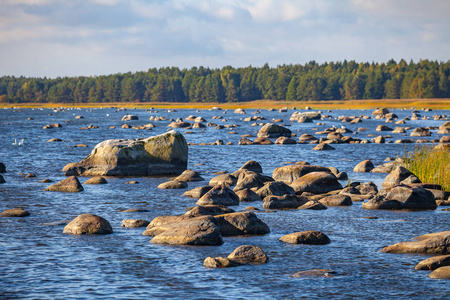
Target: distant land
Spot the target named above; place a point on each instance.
(198, 86)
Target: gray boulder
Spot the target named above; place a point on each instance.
(273, 131)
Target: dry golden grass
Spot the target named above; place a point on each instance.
(259, 104)
(430, 165)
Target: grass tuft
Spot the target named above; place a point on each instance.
(430, 165)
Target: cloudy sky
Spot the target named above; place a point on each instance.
(97, 37)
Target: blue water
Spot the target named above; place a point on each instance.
(38, 261)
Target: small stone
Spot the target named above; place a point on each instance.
(248, 254)
(134, 223)
(14, 212)
(309, 237)
(96, 180)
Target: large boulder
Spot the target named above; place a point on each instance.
(289, 174)
(197, 231)
(403, 197)
(309, 237)
(240, 223)
(129, 118)
(219, 195)
(399, 175)
(248, 180)
(68, 185)
(419, 131)
(432, 243)
(316, 183)
(157, 155)
(88, 224)
(433, 263)
(444, 128)
(441, 273)
(364, 166)
(273, 131)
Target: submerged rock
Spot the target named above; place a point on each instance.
(158, 155)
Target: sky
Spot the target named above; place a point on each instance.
(56, 38)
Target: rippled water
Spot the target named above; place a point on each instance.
(39, 261)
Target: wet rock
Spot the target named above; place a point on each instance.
(134, 223)
(433, 263)
(289, 174)
(313, 205)
(197, 231)
(432, 243)
(198, 192)
(283, 202)
(2, 168)
(317, 183)
(273, 131)
(399, 175)
(88, 224)
(309, 237)
(219, 195)
(129, 118)
(247, 195)
(440, 273)
(158, 155)
(262, 141)
(399, 130)
(46, 180)
(14, 213)
(379, 140)
(323, 147)
(189, 176)
(364, 166)
(241, 223)
(173, 184)
(96, 180)
(2, 180)
(336, 200)
(69, 185)
(248, 254)
(315, 273)
(275, 188)
(208, 210)
(227, 180)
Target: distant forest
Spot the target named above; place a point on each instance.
(345, 80)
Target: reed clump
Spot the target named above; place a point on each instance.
(430, 165)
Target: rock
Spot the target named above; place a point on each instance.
(412, 198)
(219, 262)
(275, 188)
(314, 205)
(14, 212)
(307, 138)
(2, 180)
(317, 183)
(132, 182)
(432, 243)
(241, 223)
(419, 131)
(282, 140)
(129, 118)
(208, 210)
(283, 202)
(197, 231)
(262, 141)
(368, 188)
(399, 130)
(444, 128)
(441, 273)
(219, 195)
(68, 185)
(96, 180)
(302, 117)
(273, 131)
(433, 263)
(245, 141)
(54, 140)
(173, 184)
(2, 168)
(380, 111)
(239, 111)
(158, 155)
(439, 194)
(364, 166)
(247, 195)
(399, 175)
(248, 180)
(224, 179)
(88, 224)
(323, 147)
(179, 125)
(129, 223)
(30, 175)
(336, 200)
(379, 140)
(384, 168)
(198, 192)
(383, 128)
(248, 254)
(252, 165)
(315, 273)
(189, 176)
(309, 237)
(289, 174)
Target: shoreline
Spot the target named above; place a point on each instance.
(442, 104)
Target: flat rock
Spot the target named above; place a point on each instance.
(432, 243)
(433, 263)
(315, 273)
(69, 185)
(313, 205)
(14, 213)
(289, 174)
(96, 180)
(88, 224)
(309, 237)
(173, 184)
(336, 200)
(283, 202)
(208, 210)
(134, 223)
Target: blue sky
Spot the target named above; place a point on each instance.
(97, 37)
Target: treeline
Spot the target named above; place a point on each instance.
(312, 81)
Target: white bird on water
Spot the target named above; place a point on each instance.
(21, 143)
(15, 142)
